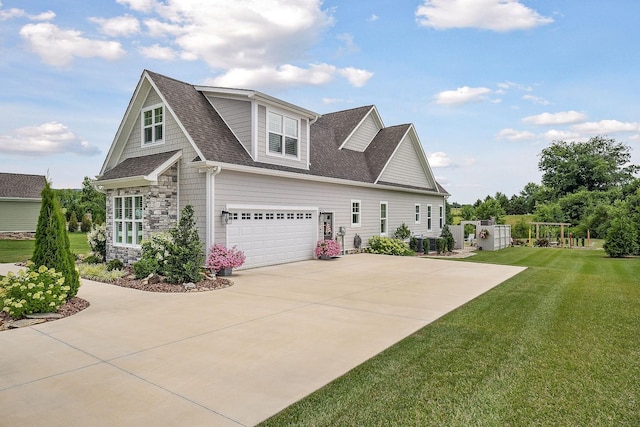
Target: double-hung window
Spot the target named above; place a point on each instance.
(127, 220)
(418, 214)
(429, 217)
(153, 125)
(441, 216)
(282, 135)
(355, 213)
(384, 212)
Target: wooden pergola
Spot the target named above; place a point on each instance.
(561, 224)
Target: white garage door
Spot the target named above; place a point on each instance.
(272, 236)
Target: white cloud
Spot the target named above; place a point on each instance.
(554, 119)
(332, 100)
(561, 135)
(439, 159)
(373, 18)
(349, 45)
(462, 95)
(607, 126)
(7, 14)
(356, 77)
(139, 5)
(125, 25)
(43, 140)
(237, 35)
(536, 99)
(158, 52)
(496, 15)
(59, 47)
(516, 135)
(287, 75)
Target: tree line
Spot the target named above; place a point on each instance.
(592, 185)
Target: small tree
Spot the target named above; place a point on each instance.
(449, 241)
(622, 236)
(85, 226)
(73, 223)
(52, 248)
(186, 253)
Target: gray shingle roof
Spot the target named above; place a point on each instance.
(21, 186)
(217, 143)
(137, 166)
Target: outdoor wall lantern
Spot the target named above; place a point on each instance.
(225, 217)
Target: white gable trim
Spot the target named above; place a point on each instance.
(422, 156)
(376, 116)
(316, 178)
(141, 180)
(130, 117)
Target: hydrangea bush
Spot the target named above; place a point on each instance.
(328, 248)
(40, 290)
(155, 254)
(220, 257)
(97, 239)
(388, 246)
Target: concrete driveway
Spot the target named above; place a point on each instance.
(228, 357)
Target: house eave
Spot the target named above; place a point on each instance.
(307, 177)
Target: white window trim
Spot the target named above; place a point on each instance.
(142, 127)
(417, 214)
(429, 217)
(123, 221)
(359, 223)
(441, 214)
(282, 155)
(386, 219)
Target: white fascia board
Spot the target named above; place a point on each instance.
(260, 97)
(153, 176)
(129, 181)
(315, 178)
(124, 122)
(377, 117)
(173, 114)
(19, 199)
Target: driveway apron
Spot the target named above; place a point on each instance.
(231, 357)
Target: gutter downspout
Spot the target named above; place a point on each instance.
(210, 228)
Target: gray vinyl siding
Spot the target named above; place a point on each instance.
(19, 215)
(406, 168)
(237, 115)
(243, 188)
(276, 160)
(192, 183)
(363, 136)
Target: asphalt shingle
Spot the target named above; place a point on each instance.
(21, 186)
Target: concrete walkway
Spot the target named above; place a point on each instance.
(228, 357)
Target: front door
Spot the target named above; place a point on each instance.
(326, 223)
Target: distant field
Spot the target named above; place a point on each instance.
(22, 250)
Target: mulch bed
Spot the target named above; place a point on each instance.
(76, 305)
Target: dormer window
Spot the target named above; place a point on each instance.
(283, 135)
(153, 125)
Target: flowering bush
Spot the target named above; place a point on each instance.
(97, 239)
(33, 290)
(329, 248)
(155, 253)
(484, 233)
(100, 272)
(220, 257)
(388, 246)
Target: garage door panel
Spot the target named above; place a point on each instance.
(273, 236)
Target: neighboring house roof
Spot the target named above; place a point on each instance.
(215, 142)
(15, 185)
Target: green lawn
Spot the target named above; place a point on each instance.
(22, 250)
(559, 344)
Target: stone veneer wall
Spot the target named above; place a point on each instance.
(160, 206)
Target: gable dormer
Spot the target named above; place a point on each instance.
(270, 130)
(364, 132)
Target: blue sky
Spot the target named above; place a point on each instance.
(487, 83)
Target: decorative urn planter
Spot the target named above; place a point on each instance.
(225, 272)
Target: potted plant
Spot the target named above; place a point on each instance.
(222, 260)
(327, 249)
